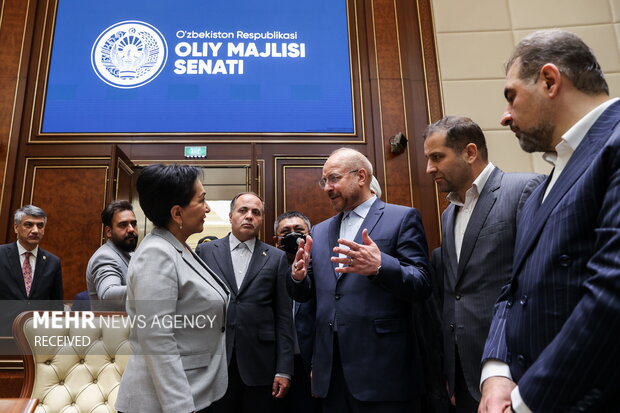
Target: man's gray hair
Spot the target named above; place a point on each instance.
(30, 210)
(567, 52)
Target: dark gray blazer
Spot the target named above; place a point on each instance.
(472, 286)
(260, 320)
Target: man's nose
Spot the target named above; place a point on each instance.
(430, 168)
(506, 119)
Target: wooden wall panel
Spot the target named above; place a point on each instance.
(15, 41)
(73, 198)
(298, 179)
(390, 100)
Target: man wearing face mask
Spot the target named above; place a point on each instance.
(107, 268)
(290, 228)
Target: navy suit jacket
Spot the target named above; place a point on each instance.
(473, 283)
(46, 285)
(557, 324)
(259, 321)
(373, 313)
(304, 328)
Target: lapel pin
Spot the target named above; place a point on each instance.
(44, 257)
(265, 253)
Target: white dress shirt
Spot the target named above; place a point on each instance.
(33, 258)
(352, 221)
(465, 209)
(240, 256)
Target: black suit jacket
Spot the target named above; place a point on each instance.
(45, 294)
(259, 325)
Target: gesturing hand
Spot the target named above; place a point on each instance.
(299, 269)
(364, 259)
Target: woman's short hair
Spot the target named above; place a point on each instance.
(160, 187)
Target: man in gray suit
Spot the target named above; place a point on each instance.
(107, 268)
(478, 235)
(259, 328)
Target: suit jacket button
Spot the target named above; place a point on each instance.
(338, 296)
(521, 359)
(523, 300)
(458, 297)
(510, 301)
(565, 260)
(223, 329)
(452, 327)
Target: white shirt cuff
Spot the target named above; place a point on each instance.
(518, 405)
(287, 376)
(493, 368)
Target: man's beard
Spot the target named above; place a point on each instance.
(536, 139)
(127, 244)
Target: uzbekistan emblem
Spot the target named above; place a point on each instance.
(129, 54)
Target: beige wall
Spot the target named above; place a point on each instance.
(474, 39)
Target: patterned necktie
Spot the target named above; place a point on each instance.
(27, 271)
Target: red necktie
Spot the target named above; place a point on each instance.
(27, 271)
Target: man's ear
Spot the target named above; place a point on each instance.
(551, 79)
(107, 230)
(364, 176)
(471, 152)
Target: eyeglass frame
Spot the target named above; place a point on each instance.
(334, 178)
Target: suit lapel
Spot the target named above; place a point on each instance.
(260, 256)
(334, 232)
(374, 214)
(449, 260)
(479, 215)
(589, 147)
(12, 257)
(39, 270)
(223, 260)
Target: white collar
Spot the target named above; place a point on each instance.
(21, 250)
(249, 243)
(476, 187)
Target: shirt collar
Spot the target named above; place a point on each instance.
(21, 250)
(575, 134)
(234, 242)
(476, 187)
(362, 209)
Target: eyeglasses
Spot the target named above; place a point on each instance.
(333, 179)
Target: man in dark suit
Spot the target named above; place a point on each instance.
(30, 277)
(289, 227)
(553, 342)
(259, 324)
(478, 234)
(369, 263)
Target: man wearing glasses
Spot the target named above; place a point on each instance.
(368, 264)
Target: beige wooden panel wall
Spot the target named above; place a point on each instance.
(475, 38)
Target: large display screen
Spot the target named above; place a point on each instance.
(199, 66)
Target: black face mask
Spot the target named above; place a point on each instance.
(290, 242)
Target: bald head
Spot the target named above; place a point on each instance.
(352, 159)
(346, 178)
